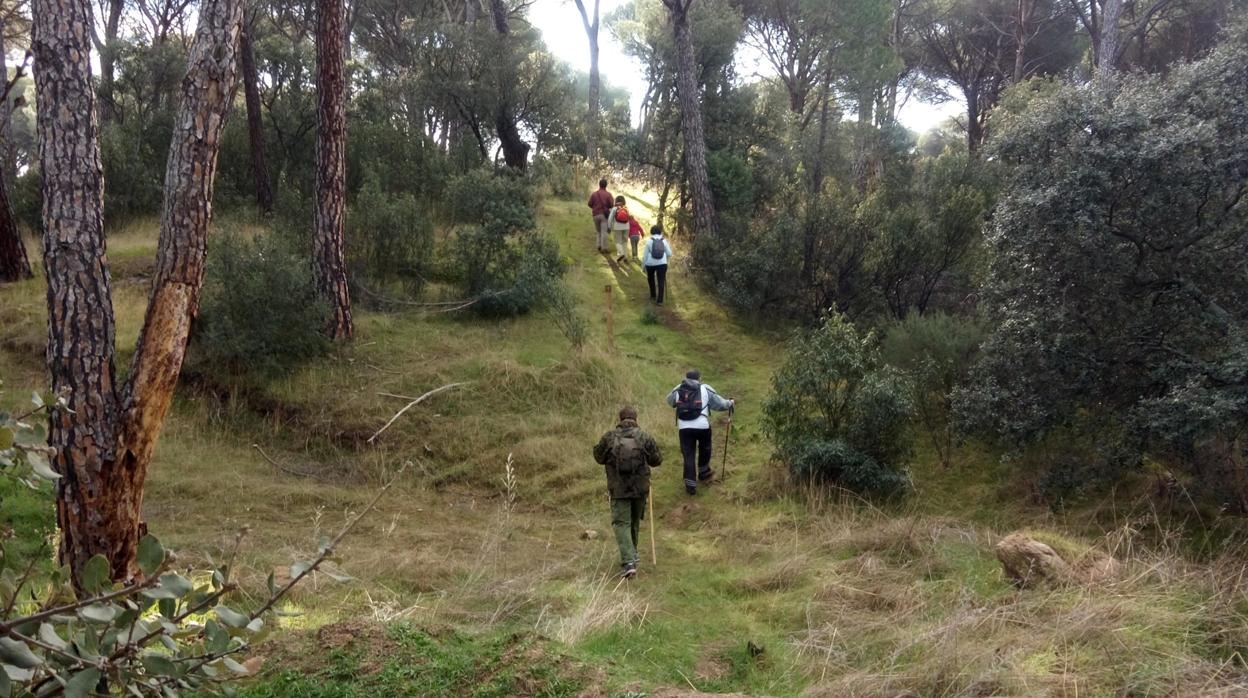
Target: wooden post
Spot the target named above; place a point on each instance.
(610, 320)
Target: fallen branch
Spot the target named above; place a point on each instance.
(412, 404)
(284, 469)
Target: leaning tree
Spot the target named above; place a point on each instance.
(104, 440)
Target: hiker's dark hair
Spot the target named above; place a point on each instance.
(656, 229)
(619, 199)
(694, 375)
(627, 412)
(602, 182)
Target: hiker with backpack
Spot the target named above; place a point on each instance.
(618, 220)
(600, 204)
(654, 259)
(694, 401)
(627, 454)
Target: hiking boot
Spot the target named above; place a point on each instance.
(630, 571)
(620, 259)
(690, 490)
(707, 476)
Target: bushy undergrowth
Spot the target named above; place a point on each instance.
(260, 310)
(936, 351)
(838, 413)
(506, 265)
(389, 239)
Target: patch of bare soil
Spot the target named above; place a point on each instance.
(712, 666)
(305, 652)
(678, 516)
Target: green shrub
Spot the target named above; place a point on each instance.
(936, 351)
(260, 310)
(567, 316)
(507, 275)
(732, 182)
(389, 238)
(503, 202)
(838, 413)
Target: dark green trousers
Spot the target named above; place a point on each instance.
(626, 516)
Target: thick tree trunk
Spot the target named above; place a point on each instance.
(515, 150)
(190, 175)
(974, 129)
(255, 127)
(104, 442)
(1022, 20)
(14, 265)
(691, 119)
(498, 9)
(1111, 38)
(80, 312)
(329, 261)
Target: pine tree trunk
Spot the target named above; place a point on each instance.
(255, 127)
(14, 265)
(691, 119)
(515, 150)
(80, 312)
(190, 174)
(974, 129)
(329, 259)
(104, 442)
(1111, 38)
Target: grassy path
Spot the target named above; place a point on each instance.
(468, 585)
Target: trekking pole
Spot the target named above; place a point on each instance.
(654, 555)
(727, 433)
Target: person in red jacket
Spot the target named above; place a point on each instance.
(600, 202)
(634, 234)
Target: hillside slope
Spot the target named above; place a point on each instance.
(470, 582)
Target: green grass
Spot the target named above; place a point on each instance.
(409, 661)
(845, 597)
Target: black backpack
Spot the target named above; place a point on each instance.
(688, 402)
(657, 249)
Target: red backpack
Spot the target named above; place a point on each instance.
(621, 214)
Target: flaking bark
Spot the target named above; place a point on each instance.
(329, 259)
(104, 443)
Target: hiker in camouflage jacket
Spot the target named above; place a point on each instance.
(627, 453)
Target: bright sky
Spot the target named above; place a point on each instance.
(564, 34)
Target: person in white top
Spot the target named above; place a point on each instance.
(619, 228)
(654, 258)
(694, 401)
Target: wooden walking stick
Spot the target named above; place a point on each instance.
(654, 555)
(727, 433)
